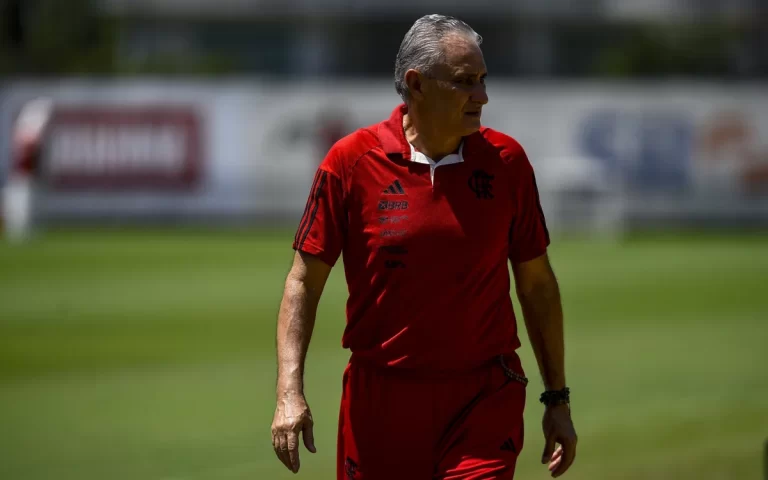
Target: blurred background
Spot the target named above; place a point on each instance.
(155, 158)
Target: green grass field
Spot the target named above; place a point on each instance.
(150, 356)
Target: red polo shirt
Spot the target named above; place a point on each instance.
(425, 245)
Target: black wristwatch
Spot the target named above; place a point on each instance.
(552, 398)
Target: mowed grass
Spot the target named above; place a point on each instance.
(150, 355)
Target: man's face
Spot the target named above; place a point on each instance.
(454, 93)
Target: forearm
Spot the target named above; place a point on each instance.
(543, 315)
(295, 323)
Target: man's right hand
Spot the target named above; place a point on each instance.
(292, 417)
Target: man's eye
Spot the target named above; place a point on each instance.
(469, 81)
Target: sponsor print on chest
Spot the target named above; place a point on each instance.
(463, 210)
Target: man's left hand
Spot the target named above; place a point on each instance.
(558, 429)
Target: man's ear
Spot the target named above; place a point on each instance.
(415, 81)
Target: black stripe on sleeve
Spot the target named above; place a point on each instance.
(304, 216)
(538, 207)
(316, 200)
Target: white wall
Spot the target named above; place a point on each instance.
(670, 147)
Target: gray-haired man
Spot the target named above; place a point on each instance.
(428, 208)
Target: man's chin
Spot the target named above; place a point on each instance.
(471, 125)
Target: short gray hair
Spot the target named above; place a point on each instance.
(421, 48)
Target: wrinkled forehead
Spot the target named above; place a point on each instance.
(462, 55)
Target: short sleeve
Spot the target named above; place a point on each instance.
(323, 224)
(528, 234)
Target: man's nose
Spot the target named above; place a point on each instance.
(479, 94)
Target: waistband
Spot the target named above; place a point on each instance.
(509, 363)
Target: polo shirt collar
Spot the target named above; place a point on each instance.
(418, 157)
(393, 141)
(392, 135)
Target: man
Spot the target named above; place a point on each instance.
(427, 207)
(19, 196)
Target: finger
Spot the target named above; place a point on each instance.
(281, 448)
(276, 442)
(279, 454)
(283, 451)
(276, 445)
(309, 437)
(293, 451)
(549, 448)
(556, 460)
(569, 454)
(558, 453)
(554, 464)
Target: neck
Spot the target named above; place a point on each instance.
(422, 134)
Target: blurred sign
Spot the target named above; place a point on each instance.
(662, 149)
(123, 147)
(650, 149)
(731, 146)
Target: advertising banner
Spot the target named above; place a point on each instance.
(123, 147)
(249, 148)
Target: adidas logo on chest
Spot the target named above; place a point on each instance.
(394, 189)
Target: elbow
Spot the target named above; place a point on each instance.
(299, 288)
(294, 280)
(545, 289)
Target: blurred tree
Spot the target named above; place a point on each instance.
(12, 28)
(83, 37)
(699, 50)
(52, 37)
